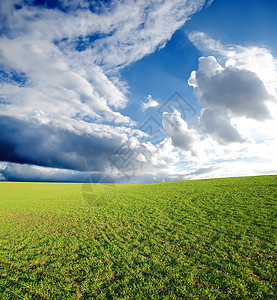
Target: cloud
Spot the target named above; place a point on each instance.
(201, 172)
(134, 159)
(52, 86)
(236, 87)
(255, 59)
(237, 91)
(151, 103)
(102, 150)
(146, 26)
(238, 94)
(181, 136)
(219, 127)
(23, 172)
(61, 89)
(43, 145)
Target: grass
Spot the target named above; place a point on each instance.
(202, 239)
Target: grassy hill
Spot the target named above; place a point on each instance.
(202, 239)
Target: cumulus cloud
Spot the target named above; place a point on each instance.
(177, 129)
(239, 92)
(135, 159)
(236, 87)
(151, 103)
(230, 93)
(219, 126)
(255, 59)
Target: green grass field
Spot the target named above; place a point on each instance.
(202, 239)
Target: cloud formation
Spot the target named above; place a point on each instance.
(61, 90)
(151, 103)
(255, 59)
(236, 87)
(62, 97)
(177, 129)
(25, 172)
(214, 124)
(43, 145)
(239, 92)
(242, 86)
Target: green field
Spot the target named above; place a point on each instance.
(201, 239)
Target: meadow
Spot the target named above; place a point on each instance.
(199, 239)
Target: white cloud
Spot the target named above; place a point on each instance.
(219, 126)
(255, 59)
(146, 26)
(151, 103)
(239, 114)
(52, 86)
(239, 92)
(181, 136)
(41, 43)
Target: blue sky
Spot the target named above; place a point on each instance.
(137, 91)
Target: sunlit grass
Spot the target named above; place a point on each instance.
(204, 239)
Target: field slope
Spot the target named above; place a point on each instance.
(203, 239)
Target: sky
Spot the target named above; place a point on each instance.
(137, 91)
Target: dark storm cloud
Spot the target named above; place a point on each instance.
(219, 127)
(23, 172)
(42, 145)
